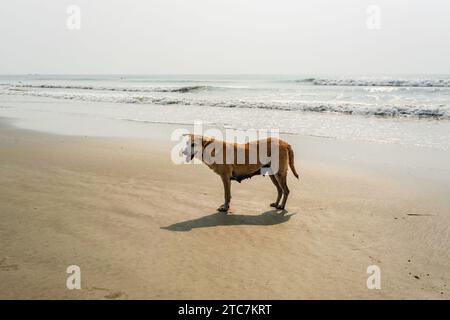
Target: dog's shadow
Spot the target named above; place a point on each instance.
(267, 218)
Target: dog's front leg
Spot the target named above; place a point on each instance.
(227, 192)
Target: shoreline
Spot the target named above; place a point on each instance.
(73, 117)
(141, 227)
(418, 164)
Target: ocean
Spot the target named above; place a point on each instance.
(402, 109)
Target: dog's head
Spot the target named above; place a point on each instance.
(195, 145)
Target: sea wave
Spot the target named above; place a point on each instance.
(180, 89)
(419, 83)
(438, 112)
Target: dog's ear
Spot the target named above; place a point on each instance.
(206, 141)
(190, 135)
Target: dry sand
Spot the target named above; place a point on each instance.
(139, 226)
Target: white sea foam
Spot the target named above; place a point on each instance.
(181, 89)
(349, 108)
(422, 83)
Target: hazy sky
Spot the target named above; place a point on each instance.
(225, 36)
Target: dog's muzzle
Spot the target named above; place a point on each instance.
(189, 156)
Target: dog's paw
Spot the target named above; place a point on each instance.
(274, 205)
(223, 208)
(279, 207)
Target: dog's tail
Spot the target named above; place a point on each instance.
(291, 161)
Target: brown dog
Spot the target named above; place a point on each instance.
(233, 161)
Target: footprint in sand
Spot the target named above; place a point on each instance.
(112, 295)
(8, 267)
(116, 295)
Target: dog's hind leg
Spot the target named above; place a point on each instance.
(281, 178)
(279, 190)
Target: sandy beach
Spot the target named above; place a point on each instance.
(142, 227)
(98, 98)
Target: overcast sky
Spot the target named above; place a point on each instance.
(225, 36)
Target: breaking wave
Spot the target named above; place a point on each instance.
(388, 111)
(181, 89)
(422, 83)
